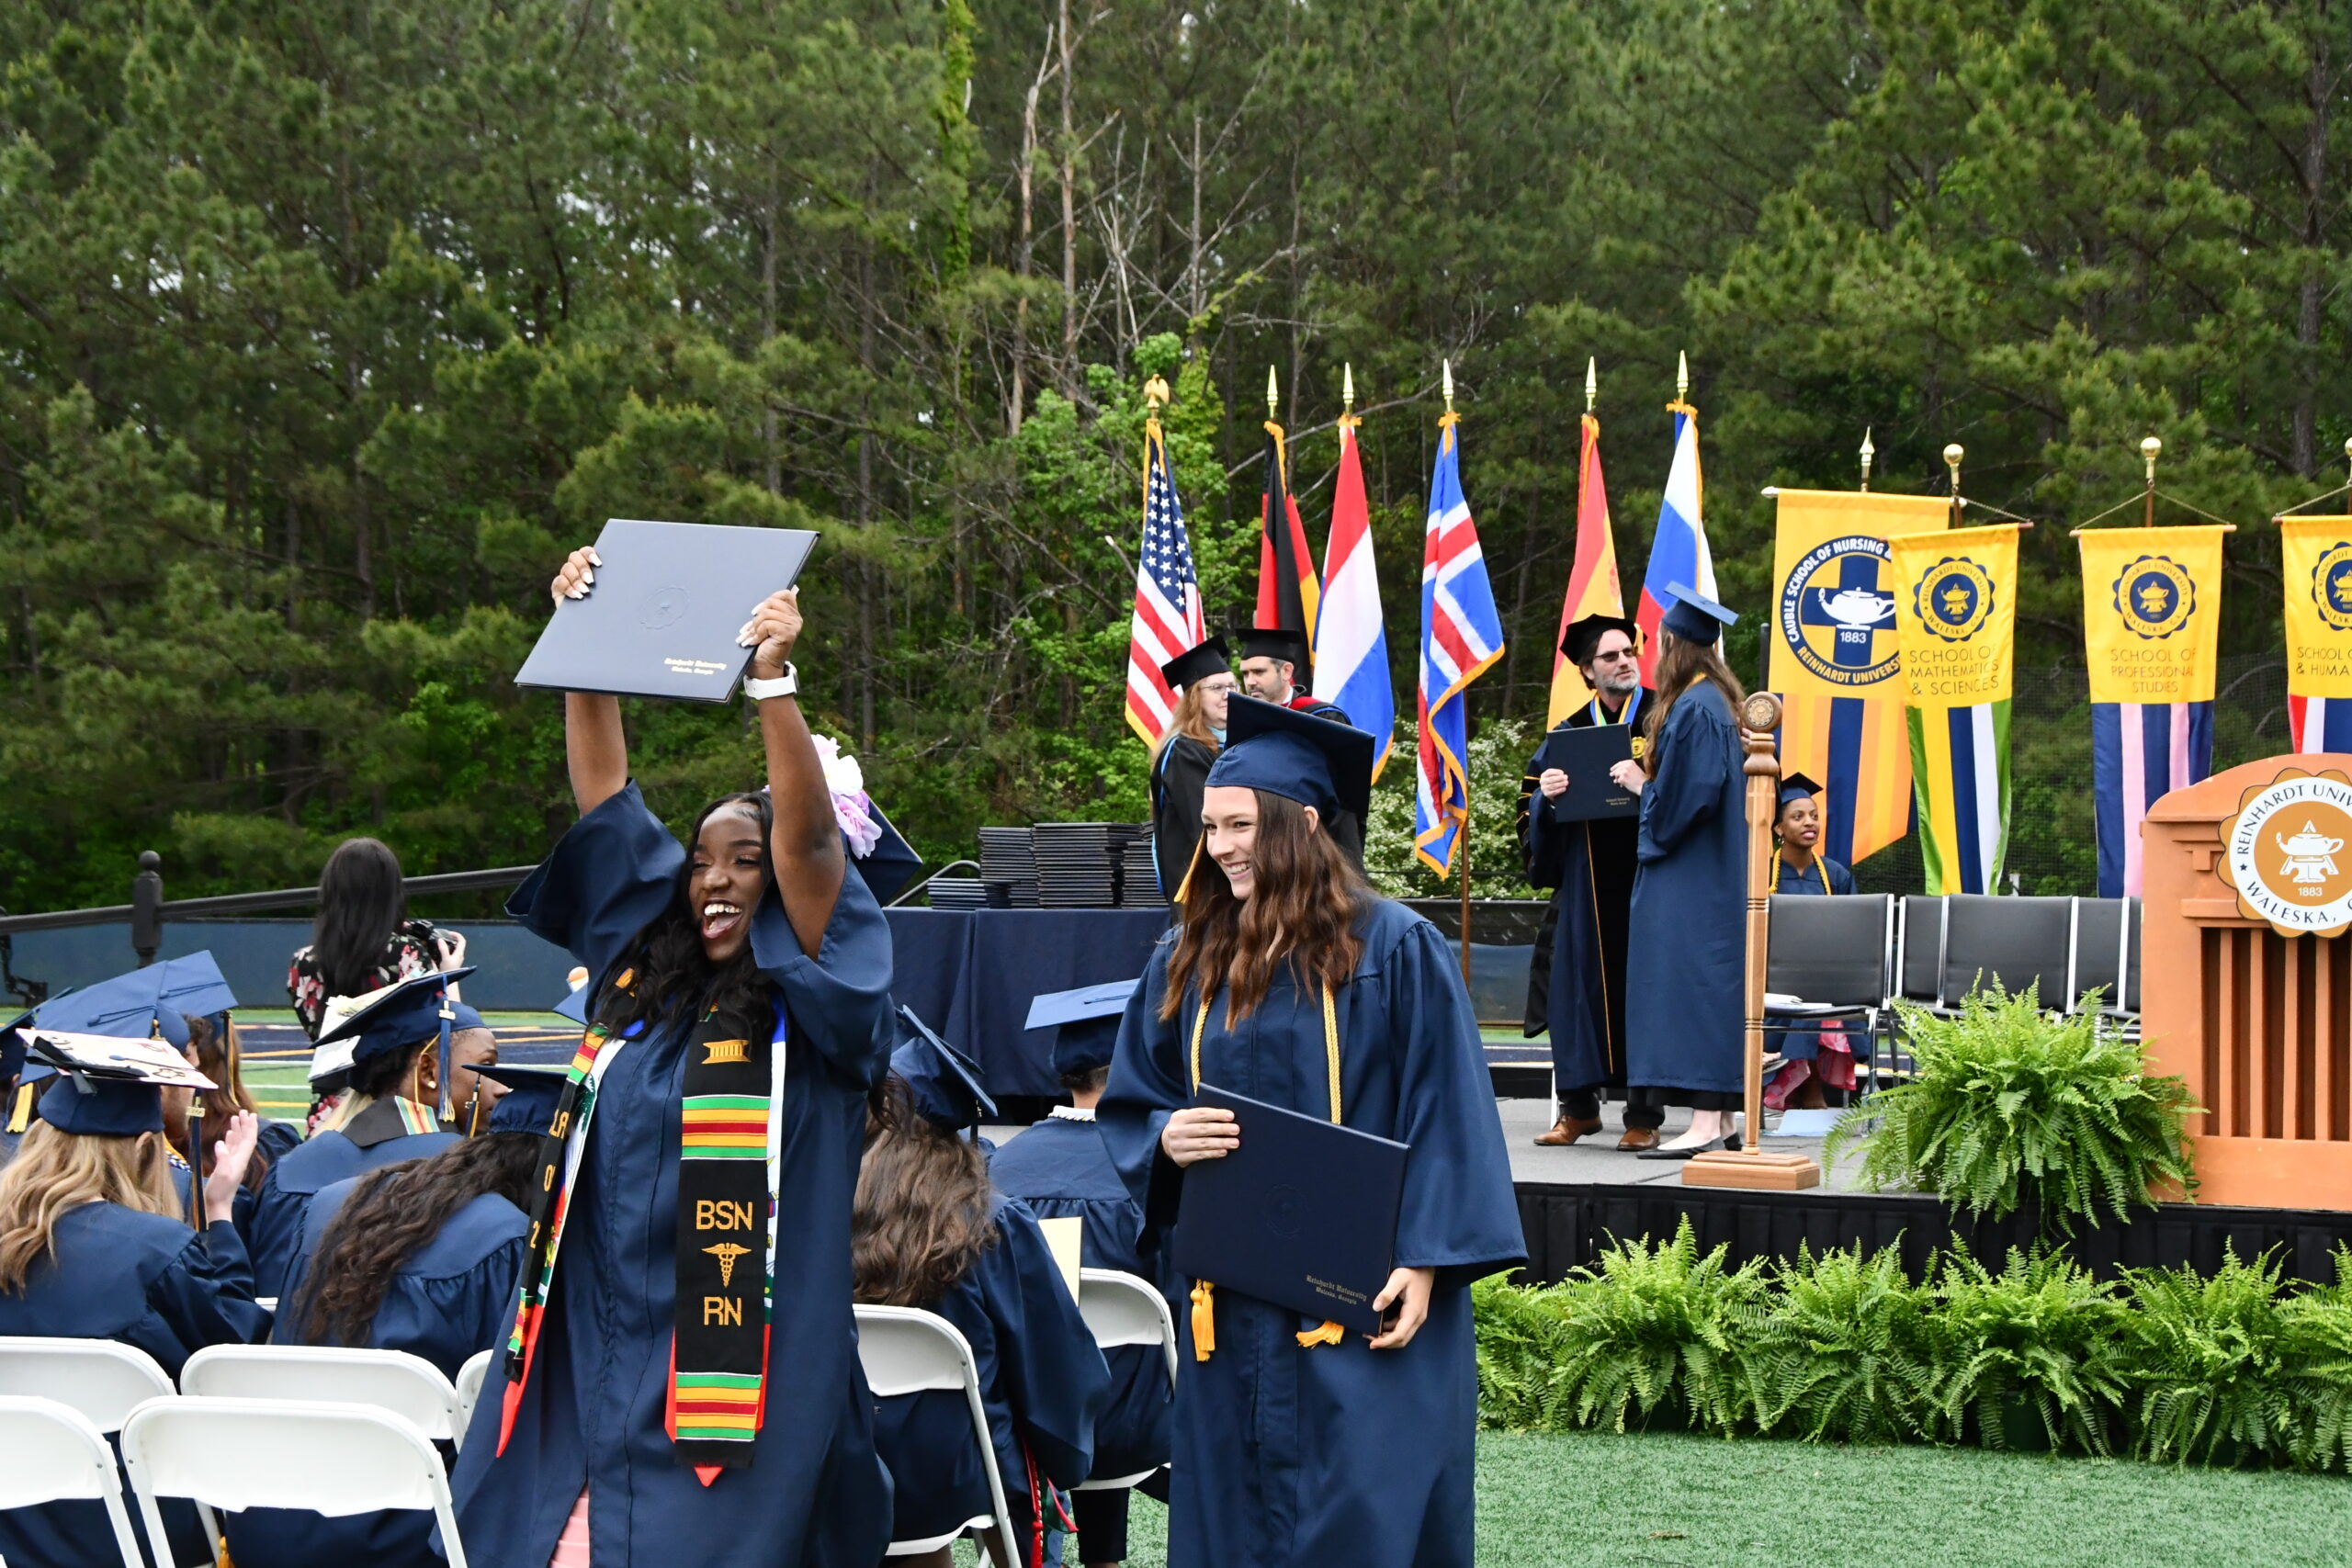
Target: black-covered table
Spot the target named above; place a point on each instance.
(970, 975)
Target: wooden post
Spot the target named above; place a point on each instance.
(1752, 1166)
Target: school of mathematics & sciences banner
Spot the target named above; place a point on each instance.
(1955, 610)
(1836, 662)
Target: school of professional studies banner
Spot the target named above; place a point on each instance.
(2316, 559)
(2152, 625)
(1955, 612)
(1835, 660)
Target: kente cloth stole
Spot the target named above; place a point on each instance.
(1205, 1292)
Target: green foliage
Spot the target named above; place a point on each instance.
(2011, 1107)
(2208, 1371)
(1842, 1353)
(2042, 1335)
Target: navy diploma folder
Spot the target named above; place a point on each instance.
(1586, 755)
(660, 617)
(1303, 1214)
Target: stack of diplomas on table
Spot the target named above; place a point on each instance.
(1586, 756)
(661, 614)
(1302, 1215)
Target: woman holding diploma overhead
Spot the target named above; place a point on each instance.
(682, 1382)
(1288, 981)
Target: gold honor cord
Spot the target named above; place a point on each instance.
(1203, 1293)
(1826, 891)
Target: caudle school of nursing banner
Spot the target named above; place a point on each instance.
(2315, 557)
(1955, 610)
(1836, 660)
(2152, 627)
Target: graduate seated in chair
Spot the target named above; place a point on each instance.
(1061, 1169)
(1811, 1060)
(421, 1257)
(930, 1233)
(94, 1246)
(211, 1049)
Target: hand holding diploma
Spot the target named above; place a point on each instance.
(1199, 1133)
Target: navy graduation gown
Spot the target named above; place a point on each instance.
(1062, 1170)
(1338, 1453)
(140, 1280)
(1687, 939)
(453, 1297)
(1042, 1380)
(371, 1140)
(591, 1413)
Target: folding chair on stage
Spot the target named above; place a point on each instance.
(907, 1350)
(1835, 956)
(266, 1453)
(1120, 1310)
(51, 1452)
(409, 1386)
(2018, 942)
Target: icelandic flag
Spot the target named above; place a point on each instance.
(2139, 753)
(1462, 636)
(1350, 647)
(1678, 551)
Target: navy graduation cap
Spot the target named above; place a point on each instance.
(107, 1086)
(528, 1104)
(143, 1004)
(1089, 1023)
(946, 1082)
(1314, 762)
(1795, 786)
(1694, 616)
(574, 1005)
(405, 1013)
(890, 864)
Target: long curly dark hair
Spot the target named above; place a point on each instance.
(924, 1211)
(394, 1212)
(674, 979)
(1307, 901)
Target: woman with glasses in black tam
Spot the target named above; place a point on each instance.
(1288, 981)
(684, 1382)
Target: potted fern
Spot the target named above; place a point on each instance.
(2011, 1107)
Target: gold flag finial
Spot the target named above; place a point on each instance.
(1273, 395)
(1155, 395)
(2149, 449)
(1952, 454)
(1682, 377)
(1347, 388)
(1445, 375)
(1591, 382)
(1869, 452)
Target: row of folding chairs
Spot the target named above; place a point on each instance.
(341, 1432)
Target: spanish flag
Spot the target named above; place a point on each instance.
(1593, 587)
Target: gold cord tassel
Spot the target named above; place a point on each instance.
(1329, 1333)
(1204, 1320)
(21, 1117)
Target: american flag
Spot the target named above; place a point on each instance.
(1462, 636)
(1167, 595)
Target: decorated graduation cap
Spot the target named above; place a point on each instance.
(1695, 617)
(1314, 762)
(890, 863)
(1213, 657)
(1087, 1019)
(414, 1011)
(528, 1104)
(1275, 642)
(1583, 635)
(1794, 787)
(946, 1082)
(149, 1003)
(108, 1086)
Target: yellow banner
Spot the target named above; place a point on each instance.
(2315, 556)
(1955, 612)
(2151, 612)
(1833, 590)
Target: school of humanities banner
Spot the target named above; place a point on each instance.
(2316, 559)
(1955, 612)
(2152, 628)
(1836, 660)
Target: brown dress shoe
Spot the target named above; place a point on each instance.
(1638, 1138)
(1567, 1131)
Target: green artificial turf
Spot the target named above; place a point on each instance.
(1655, 1501)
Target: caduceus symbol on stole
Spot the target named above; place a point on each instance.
(726, 1252)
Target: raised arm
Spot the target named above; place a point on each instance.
(806, 843)
(595, 748)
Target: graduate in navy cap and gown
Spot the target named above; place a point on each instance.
(421, 1257)
(1811, 1060)
(1294, 1443)
(213, 1049)
(1202, 678)
(931, 1234)
(392, 1111)
(1062, 1170)
(1686, 1005)
(93, 1246)
(682, 1381)
(1272, 660)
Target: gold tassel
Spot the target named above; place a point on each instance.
(21, 1117)
(1329, 1333)
(1204, 1320)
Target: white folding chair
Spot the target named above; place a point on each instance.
(470, 1377)
(105, 1381)
(907, 1350)
(51, 1452)
(409, 1386)
(1120, 1310)
(334, 1459)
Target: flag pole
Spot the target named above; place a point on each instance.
(2148, 449)
(1869, 452)
(1952, 454)
(1462, 839)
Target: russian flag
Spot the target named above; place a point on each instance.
(2139, 753)
(1679, 552)
(1350, 647)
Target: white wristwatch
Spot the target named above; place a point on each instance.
(784, 685)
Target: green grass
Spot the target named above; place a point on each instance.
(1657, 1501)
